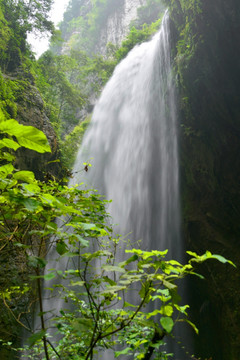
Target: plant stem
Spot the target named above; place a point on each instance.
(44, 339)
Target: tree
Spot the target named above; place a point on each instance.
(18, 18)
(30, 15)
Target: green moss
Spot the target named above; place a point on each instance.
(7, 98)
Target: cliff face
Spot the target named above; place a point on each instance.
(118, 22)
(207, 61)
(89, 27)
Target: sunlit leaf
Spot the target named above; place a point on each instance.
(27, 136)
(9, 143)
(167, 323)
(26, 176)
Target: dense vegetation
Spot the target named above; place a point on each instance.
(101, 316)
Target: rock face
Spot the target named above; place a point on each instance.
(31, 111)
(209, 92)
(110, 25)
(118, 22)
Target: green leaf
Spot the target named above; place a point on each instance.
(77, 283)
(169, 285)
(9, 143)
(222, 259)
(31, 204)
(83, 242)
(36, 261)
(27, 136)
(166, 310)
(113, 289)
(153, 313)
(61, 248)
(109, 281)
(167, 323)
(128, 261)
(6, 170)
(123, 352)
(36, 337)
(191, 324)
(126, 304)
(113, 268)
(26, 176)
(49, 276)
(32, 189)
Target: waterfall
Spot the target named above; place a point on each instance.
(133, 147)
(132, 144)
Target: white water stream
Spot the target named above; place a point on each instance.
(132, 144)
(133, 147)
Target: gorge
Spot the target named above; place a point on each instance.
(202, 98)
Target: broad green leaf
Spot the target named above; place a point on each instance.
(49, 199)
(169, 285)
(32, 189)
(9, 143)
(27, 136)
(26, 176)
(6, 170)
(7, 156)
(61, 248)
(167, 323)
(31, 204)
(83, 242)
(49, 276)
(166, 310)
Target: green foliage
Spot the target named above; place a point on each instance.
(17, 19)
(87, 21)
(149, 13)
(66, 83)
(100, 289)
(136, 37)
(7, 98)
(55, 78)
(70, 144)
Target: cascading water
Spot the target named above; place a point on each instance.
(132, 144)
(133, 147)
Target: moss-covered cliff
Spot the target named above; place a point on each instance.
(206, 47)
